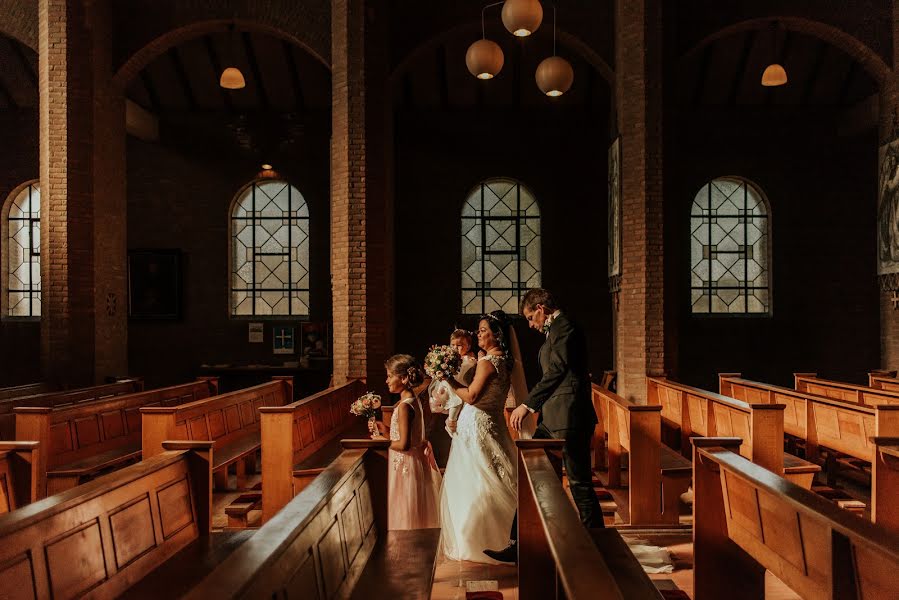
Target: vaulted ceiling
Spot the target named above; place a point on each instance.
(728, 71)
(18, 75)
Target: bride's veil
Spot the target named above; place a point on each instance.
(518, 391)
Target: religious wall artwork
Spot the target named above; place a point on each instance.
(283, 341)
(154, 284)
(615, 208)
(888, 210)
(256, 333)
(315, 343)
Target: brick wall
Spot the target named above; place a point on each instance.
(179, 195)
(19, 340)
(639, 318)
(820, 186)
(441, 157)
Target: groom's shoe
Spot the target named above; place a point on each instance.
(509, 554)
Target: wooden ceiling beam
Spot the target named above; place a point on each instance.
(821, 50)
(217, 71)
(183, 79)
(294, 74)
(740, 72)
(254, 67)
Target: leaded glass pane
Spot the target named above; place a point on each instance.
(23, 265)
(500, 246)
(270, 251)
(729, 249)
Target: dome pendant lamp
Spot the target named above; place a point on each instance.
(232, 78)
(554, 75)
(484, 58)
(774, 75)
(522, 17)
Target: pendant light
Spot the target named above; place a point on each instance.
(774, 75)
(232, 78)
(484, 58)
(554, 75)
(522, 17)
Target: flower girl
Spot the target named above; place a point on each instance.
(413, 480)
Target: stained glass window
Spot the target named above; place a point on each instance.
(270, 251)
(500, 246)
(729, 249)
(24, 250)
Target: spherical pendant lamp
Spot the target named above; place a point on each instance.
(484, 59)
(522, 17)
(554, 76)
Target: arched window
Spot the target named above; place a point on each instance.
(269, 251)
(23, 252)
(500, 246)
(729, 249)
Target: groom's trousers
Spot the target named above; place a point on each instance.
(577, 461)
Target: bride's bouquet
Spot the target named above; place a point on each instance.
(367, 406)
(442, 362)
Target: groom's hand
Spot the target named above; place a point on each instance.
(518, 415)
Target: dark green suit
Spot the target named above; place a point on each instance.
(563, 399)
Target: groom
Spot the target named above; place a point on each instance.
(562, 397)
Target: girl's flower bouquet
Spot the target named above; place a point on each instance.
(367, 406)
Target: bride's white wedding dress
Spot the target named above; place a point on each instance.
(479, 494)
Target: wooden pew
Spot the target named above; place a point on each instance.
(97, 540)
(657, 475)
(699, 412)
(883, 380)
(841, 426)
(230, 420)
(885, 483)
(557, 556)
(61, 398)
(18, 474)
(79, 441)
(293, 432)
(847, 392)
(27, 389)
(331, 541)
(747, 519)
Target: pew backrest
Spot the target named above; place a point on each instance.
(18, 474)
(709, 414)
(60, 398)
(102, 537)
(814, 547)
(220, 419)
(888, 384)
(821, 421)
(555, 547)
(293, 432)
(317, 545)
(847, 392)
(27, 389)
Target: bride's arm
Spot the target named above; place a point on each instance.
(471, 393)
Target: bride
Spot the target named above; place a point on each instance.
(479, 494)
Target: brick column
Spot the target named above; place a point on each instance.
(79, 341)
(359, 216)
(639, 327)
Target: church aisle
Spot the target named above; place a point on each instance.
(452, 578)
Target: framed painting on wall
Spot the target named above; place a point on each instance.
(888, 209)
(154, 284)
(315, 342)
(615, 208)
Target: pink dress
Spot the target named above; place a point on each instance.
(414, 480)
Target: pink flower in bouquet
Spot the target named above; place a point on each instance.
(366, 405)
